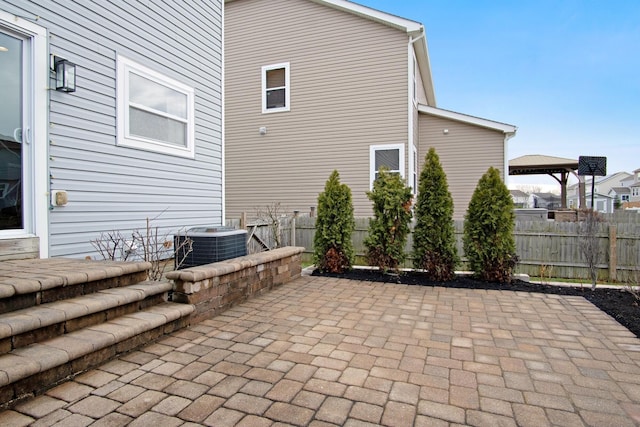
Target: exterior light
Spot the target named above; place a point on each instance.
(65, 75)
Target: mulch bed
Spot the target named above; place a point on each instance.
(617, 303)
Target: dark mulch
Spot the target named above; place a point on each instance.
(617, 303)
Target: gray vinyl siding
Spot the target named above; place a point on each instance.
(348, 91)
(466, 153)
(112, 187)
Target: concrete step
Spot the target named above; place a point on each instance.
(27, 283)
(29, 325)
(29, 370)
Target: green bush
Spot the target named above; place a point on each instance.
(489, 243)
(434, 242)
(389, 227)
(333, 249)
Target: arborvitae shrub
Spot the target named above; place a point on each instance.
(489, 243)
(434, 242)
(389, 227)
(333, 249)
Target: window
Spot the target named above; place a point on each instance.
(390, 156)
(275, 88)
(155, 112)
(634, 191)
(624, 197)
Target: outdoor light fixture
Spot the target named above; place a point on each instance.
(65, 75)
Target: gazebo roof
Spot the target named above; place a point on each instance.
(536, 164)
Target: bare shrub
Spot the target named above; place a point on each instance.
(589, 249)
(271, 215)
(148, 245)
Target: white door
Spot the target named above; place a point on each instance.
(23, 130)
(13, 151)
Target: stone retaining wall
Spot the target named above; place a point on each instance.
(213, 288)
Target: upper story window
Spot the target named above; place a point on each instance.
(275, 88)
(635, 191)
(155, 112)
(390, 156)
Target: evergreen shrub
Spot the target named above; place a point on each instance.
(434, 242)
(488, 239)
(333, 249)
(389, 227)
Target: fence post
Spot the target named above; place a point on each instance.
(243, 220)
(293, 228)
(613, 252)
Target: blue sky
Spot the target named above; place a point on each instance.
(565, 72)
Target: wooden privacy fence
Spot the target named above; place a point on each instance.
(545, 249)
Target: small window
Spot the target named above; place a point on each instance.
(155, 112)
(389, 156)
(275, 88)
(625, 197)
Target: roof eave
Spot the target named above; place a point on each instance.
(507, 129)
(424, 65)
(373, 14)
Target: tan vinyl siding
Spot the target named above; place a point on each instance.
(420, 92)
(348, 91)
(466, 152)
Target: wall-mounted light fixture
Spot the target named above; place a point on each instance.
(65, 75)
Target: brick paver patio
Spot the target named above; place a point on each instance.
(322, 352)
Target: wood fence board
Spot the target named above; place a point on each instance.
(545, 248)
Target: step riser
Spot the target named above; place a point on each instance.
(27, 338)
(18, 302)
(36, 384)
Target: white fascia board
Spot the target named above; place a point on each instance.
(373, 14)
(424, 64)
(464, 118)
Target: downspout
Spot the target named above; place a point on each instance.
(411, 66)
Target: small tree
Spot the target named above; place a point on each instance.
(489, 244)
(333, 249)
(434, 243)
(389, 227)
(589, 249)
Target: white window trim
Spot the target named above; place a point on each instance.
(414, 170)
(125, 66)
(372, 159)
(287, 88)
(36, 180)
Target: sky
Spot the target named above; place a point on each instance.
(565, 72)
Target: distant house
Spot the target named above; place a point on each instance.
(338, 86)
(603, 200)
(520, 198)
(620, 195)
(140, 137)
(545, 200)
(634, 187)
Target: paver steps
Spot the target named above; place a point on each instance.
(60, 317)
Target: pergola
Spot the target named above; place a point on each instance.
(557, 167)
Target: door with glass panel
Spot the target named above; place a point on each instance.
(11, 136)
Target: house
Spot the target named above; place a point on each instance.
(602, 199)
(620, 195)
(520, 198)
(338, 86)
(548, 201)
(634, 188)
(131, 130)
